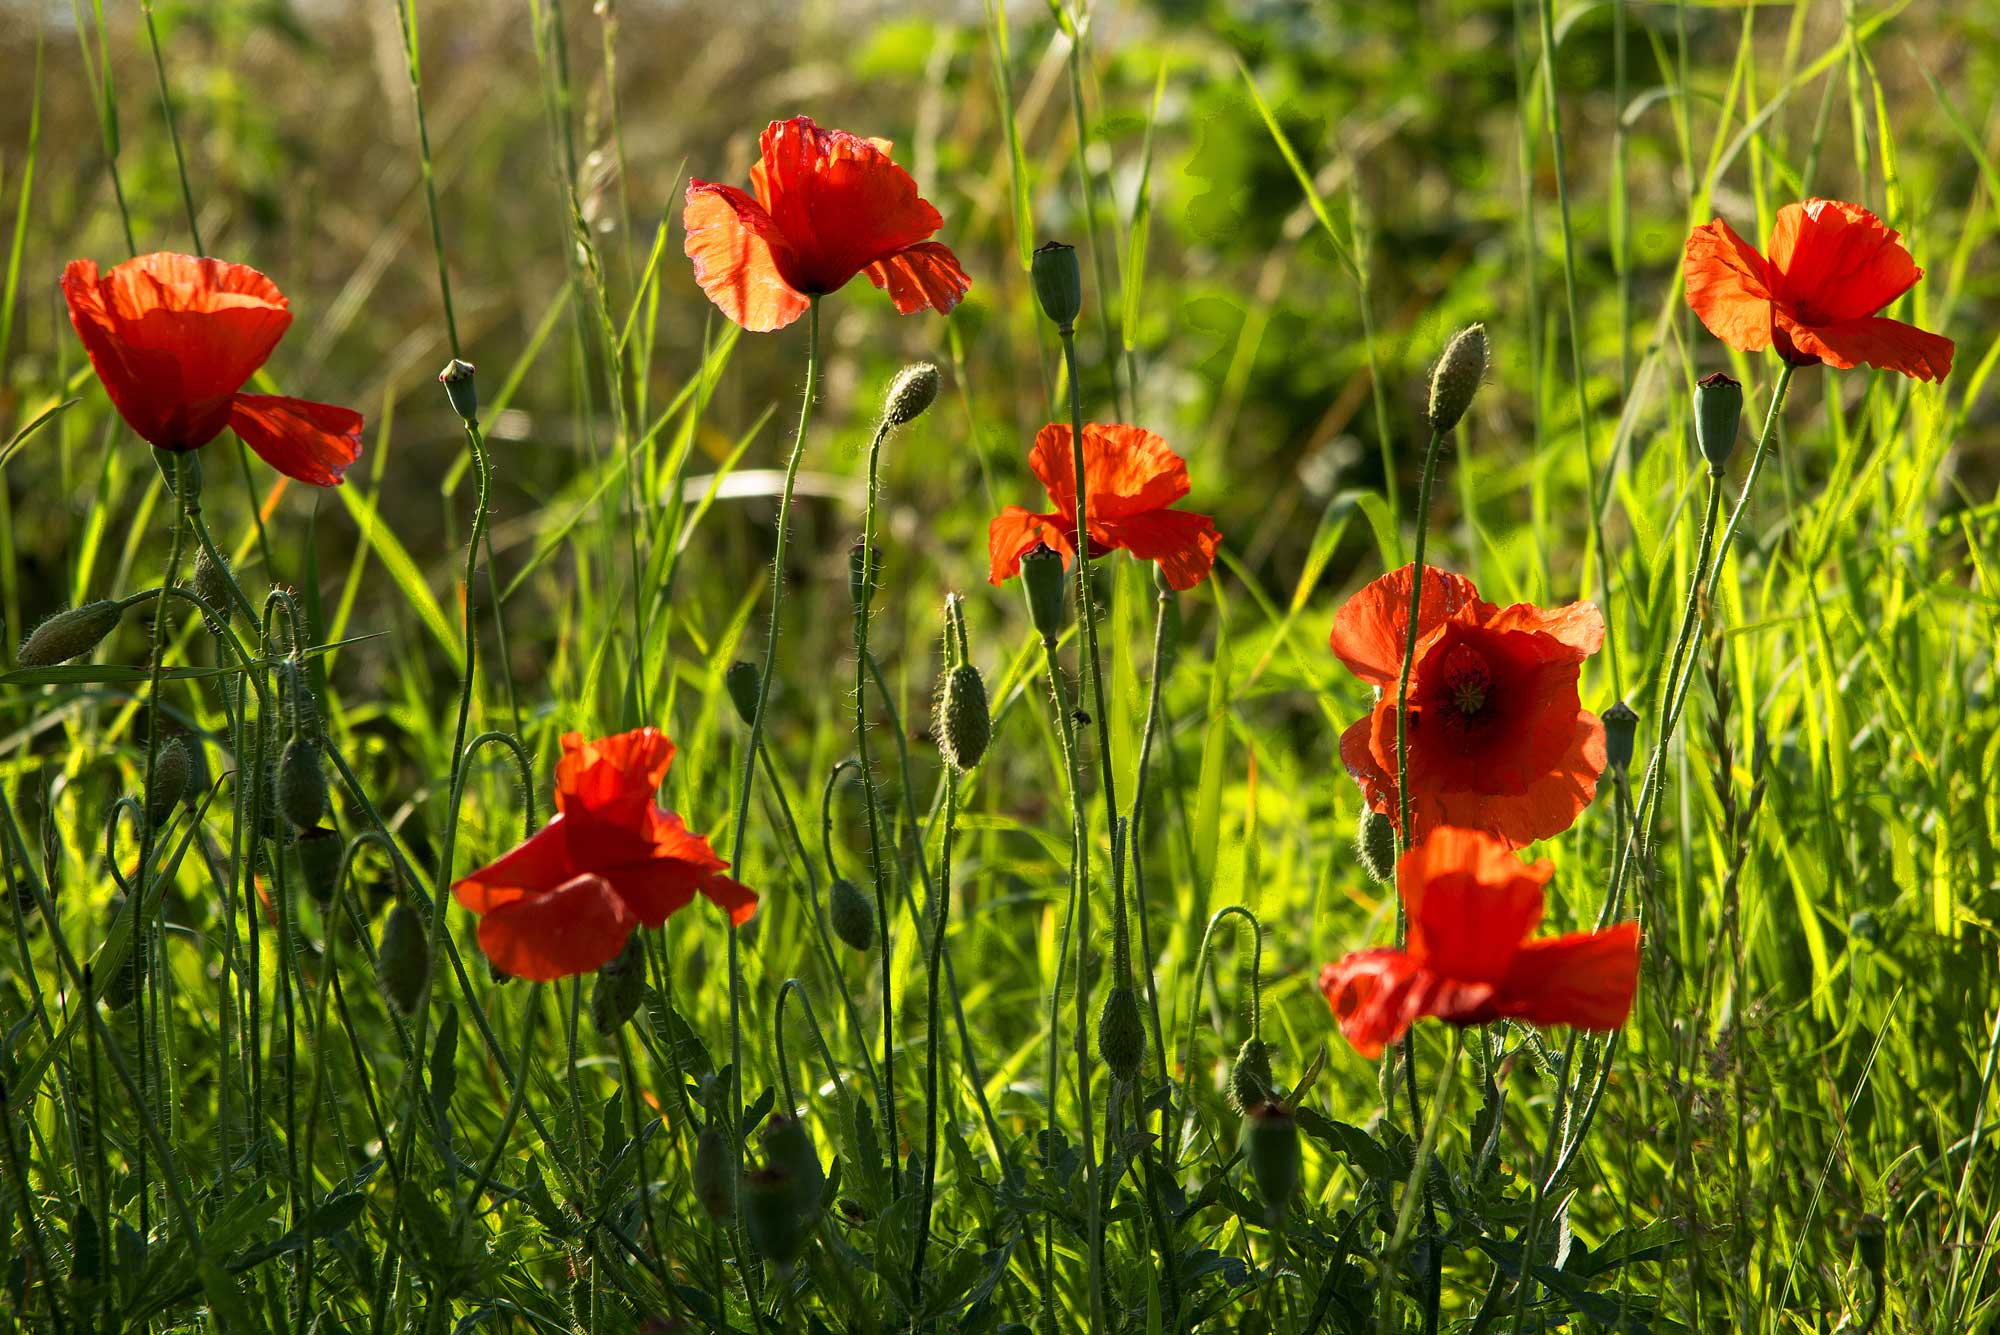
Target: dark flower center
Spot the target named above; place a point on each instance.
(1468, 682)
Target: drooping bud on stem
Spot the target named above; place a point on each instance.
(1718, 416)
(771, 1216)
(1375, 845)
(1121, 1034)
(742, 681)
(171, 768)
(788, 1147)
(961, 722)
(461, 386)
(620, 987)
(714, 1174)
(914, 389)
(301, 784)
(1271, 1144)
(210, 583)
(1058, 283)
(1871, 1243)
(320, 851)
(70, 634)
(1456, 377)
(403, 958)
(1042, 572)
(853, 920)
(1621, 725)
(1250, 1076)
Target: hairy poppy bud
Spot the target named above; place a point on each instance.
(1271, 1144)
(914, 389)
(1871, 1242)
(301, 784)
(320, 851)
(620, 987)
(742, 680)
(1718, 415)
(403, 958)
(714, 1174)
(171, 768)
(1058, 283)
(1375, 844)
(863, 578)
(1621, 724)
(70, 634)
(1456, 377)
(771, 1216)
(461, 386)
(127, 980)
(1042, 572)
(1250, 1076)
(962, 724)
(788, 1147)
(1121, 1035)
(210, 583)
(853, 920)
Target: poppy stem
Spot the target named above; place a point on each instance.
(1162, 660)
(1418, 1188)
(940, 917)
(1409, 655)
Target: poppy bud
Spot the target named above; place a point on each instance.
(1271, 1144)
(742, 681)
(1250, 1076)
(1121, 1036)
(862, 582)
(1871, 1243)
(714, 1174)
(788, 1147)
(620, 987)
(1058, 283)
(301, 784)
(914, 389)
(70, 634)
(461, 386)
(320, 850)
(1375, 844)
(210, 583)
(1621, 725)
(853, 920)
(1042, 572)
(126, 981)
(1456, 377)
(771, 1216)
(171, 767)
(403, 958)
(962, 724)
(1718, 415)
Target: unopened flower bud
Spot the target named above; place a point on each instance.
(1621, 725)
(171, 768)
(1271, 1144)
(714, 1174)
(320, 850)
(126, 981)
(1456, 377)
(914, 389)
(403, 958)
(70, 634)
(1250, 1076)
(863, 578)
(210, 583)
(1375, 845)
(788, 1147)
(1871, 1242)
(1058, 283)
(1042, 572)
(461, 386)
(1718, 415)
(620, 987)
(853, 920)
(743, 681)
(771, 1216)
(301, 784)
(962, 724)
(1121, 1035)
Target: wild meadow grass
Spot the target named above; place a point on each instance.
(1027, 1031)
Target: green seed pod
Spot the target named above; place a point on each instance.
(211, 584)
(1871, 1243)
(1058, 283)
(714, 1174)
(1456, 377)
(320, 850)
(962, 724)
(301, 784)
(620, 987)
(853, 920)
(788, 1147)
(70, 634)
(1250, 1076)
(403, 958)
(1121, 1034)
(1048, 606)
(1271, 1144)
(771, 1216)
(914, 389)
(1375, 844)
(743, 681)
(1718, 416)
(171, 768)
(862, 584)
(461, 386)
(1621, 725)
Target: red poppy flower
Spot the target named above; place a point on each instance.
(1471, 904)
(1831, 267)
(174, 338)
(1498, 740)
(610, 860)
(1132, 479)
(828, 205)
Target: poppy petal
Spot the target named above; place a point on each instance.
(1586, 979)
(1838, 261)
(1471, 902)
(730, 239)
(1182, 542)
(537, 865)
(1368, 993)
(839, 201)
(1128, 469)
(1580, 626)
(1548, 805)
(1729, 286)
(1357, 753)
(733, 897)
(1887, 345)
(576, 928)
(312, 442)
(1013, 533)
(924, 275)
(615, 771)
(1372, 627)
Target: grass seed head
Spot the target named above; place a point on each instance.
(962, 724)
(1121, 1034)
(853, 920)
(1058, 283)
(914, 389)
(71, 633)
(403, 958)
(1718, 417)
(1456, 377)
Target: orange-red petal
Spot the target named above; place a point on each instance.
(1887, 345)
(1729, 286)
(1368, 993)
(1014, 532)
(312, 442)
(1470, 901)
(839, 202)
(578, 927)
(733, 897)
(611, 773)
(1371, 628)
(1181, 542)
(926, 275)
(1128, 469)
(730, 239)
(1586, 979)
(1837, 262)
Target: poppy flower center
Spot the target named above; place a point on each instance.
(1468, 682)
